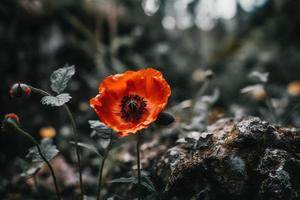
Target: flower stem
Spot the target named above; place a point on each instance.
(100, 175)
(42, 156)
(100, 178)
(75, 136)
(138, 164)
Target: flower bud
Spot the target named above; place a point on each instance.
(8, 119)
(19, 90)
(165, 118)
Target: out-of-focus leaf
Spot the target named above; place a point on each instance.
(261, 77)
(60, 78)
(125, 180)
(28, 169)
(211, 99)
(115, 197)
(89, 147)
(147, 181)
(47, 148)
(181, 141)
(30, 172)
(148, 186)
(251, 88)
(58, 100)
(103, 144)
(100, 129)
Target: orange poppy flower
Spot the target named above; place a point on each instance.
(131, 101)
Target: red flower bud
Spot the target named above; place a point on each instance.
(20, 90)
(10, 118)
(13, 117)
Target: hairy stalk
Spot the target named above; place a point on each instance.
(138, 164)
(42, 156)
(99, 189)
(75, 135)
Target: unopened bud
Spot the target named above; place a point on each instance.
(165, 118)
(19, 90)
(8, 119)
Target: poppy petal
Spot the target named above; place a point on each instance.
(146, 85)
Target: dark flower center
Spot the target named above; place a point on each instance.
(132, 108)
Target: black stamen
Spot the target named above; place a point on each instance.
(132, 108)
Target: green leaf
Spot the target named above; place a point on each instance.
(58, 100)
(47, 148)
(125, 180)
(148, 183)
(148, 186)
(60, 78)
(100, 129)
(88, 146)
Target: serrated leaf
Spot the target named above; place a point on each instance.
(47, 148)
(262, 77)
(60, 78)
(58, 100)
(125, 180)
(88, 146)
(100, 129)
